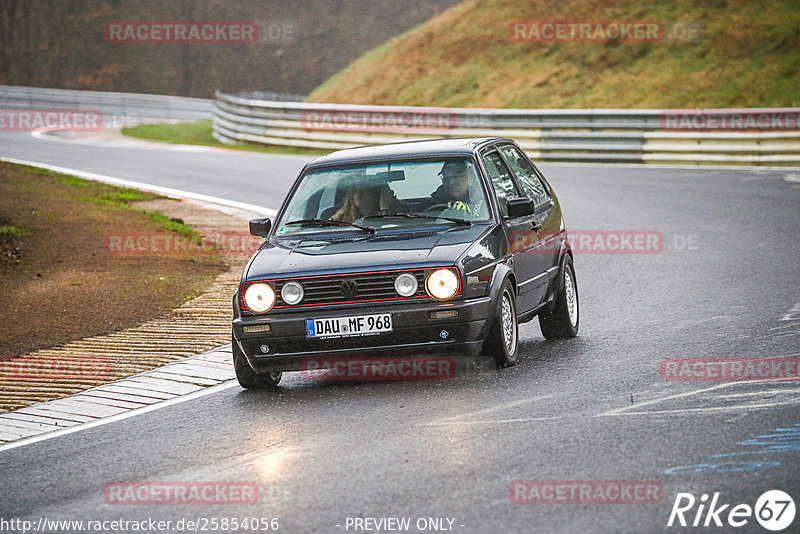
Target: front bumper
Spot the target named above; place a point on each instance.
(413, 333)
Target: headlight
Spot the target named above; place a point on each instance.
(442, 284)
(259, 297)
(292, 293)
(406, 284)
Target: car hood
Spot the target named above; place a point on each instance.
(324, 254)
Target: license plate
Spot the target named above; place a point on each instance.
(359, 325)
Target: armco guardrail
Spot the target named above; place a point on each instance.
(749, 136)
(116, 108)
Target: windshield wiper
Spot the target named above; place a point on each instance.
(330, 222)
(400, 214)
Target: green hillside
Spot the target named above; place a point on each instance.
(747, 55)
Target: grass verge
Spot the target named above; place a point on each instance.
(199, 133)
(734, 53)
(62, 282)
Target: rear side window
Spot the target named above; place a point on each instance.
(526, 174)
(500, 176)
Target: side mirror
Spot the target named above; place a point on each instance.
(260, 227)
(520, 207)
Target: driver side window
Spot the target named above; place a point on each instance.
(500, 176)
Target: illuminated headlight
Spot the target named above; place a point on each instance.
(292, 293)
(442, 284)
(259, 297)
(406, 284)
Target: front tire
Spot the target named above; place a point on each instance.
(502, 344)
(247, 377)
(563, 320)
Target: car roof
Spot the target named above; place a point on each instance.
(409, 149)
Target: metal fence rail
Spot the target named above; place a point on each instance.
(750, 136)
(115, 107)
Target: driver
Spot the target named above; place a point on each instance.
(454, 191)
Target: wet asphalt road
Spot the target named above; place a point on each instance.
(590, 408)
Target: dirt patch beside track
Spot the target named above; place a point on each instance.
(93, 313)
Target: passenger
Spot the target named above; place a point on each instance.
(366, 198)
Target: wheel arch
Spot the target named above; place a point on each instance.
(502, 273)
(558, 281)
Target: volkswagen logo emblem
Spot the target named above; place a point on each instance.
(349, 289)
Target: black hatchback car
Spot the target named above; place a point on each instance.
(412, 249)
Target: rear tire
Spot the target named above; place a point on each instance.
(247, 377)
(563, 320)
(502, 344)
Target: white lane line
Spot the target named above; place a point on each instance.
(632, 409)
(622, 410)
(52, 136)
(679, 411)
(166, 191)
(46, 135)
(89, 408)
(132, 413)
(795, 391)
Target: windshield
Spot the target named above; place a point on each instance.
(443, 191)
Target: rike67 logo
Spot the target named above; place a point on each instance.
(774, 510)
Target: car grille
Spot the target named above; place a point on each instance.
(342, 289)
